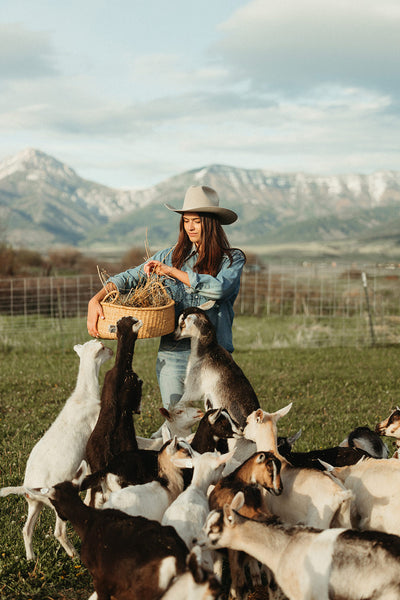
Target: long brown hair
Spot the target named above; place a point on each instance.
(211, 250)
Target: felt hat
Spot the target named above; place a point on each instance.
(203, 199)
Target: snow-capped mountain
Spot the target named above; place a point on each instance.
(45, 202)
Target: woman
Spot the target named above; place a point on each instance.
(200, 267)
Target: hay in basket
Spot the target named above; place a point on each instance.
(149, 301)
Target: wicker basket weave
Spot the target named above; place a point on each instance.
(157, 320)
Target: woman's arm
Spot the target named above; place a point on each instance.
(226, 281)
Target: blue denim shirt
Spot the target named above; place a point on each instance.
(223, 288)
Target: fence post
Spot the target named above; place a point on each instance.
(242, 292)
(255, 307)
(371, 327)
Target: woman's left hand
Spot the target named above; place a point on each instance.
(157, 267)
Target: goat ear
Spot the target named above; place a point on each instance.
(165, 433)
(225, 457)
(238, 501)
(260, 458)
(213, 418)
(327, 466)
(137, 325)
(165, 413)
(291, 440)
(229, 516)
(78, 349)
(283, 411)
(207, 305)
(208, 404)
(259, 415)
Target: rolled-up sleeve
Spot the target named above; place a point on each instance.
(224, 284)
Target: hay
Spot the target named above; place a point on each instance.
(149, 302)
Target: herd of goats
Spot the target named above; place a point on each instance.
(189, 516)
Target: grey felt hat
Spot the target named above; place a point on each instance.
(203, 199)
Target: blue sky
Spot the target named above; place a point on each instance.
(129, 93)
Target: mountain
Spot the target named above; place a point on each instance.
(44, 202)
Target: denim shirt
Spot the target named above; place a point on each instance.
(223, 288)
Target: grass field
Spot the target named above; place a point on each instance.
(333, 390)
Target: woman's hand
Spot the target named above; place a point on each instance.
(95, 312)
(157, 267)
(160, 268)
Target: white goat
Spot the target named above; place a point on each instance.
(178, 422)
(58, 454)
(375, 484)
(311, 564)
(151, 499)
(189, 511)
(309, 496)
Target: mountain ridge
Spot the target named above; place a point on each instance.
(44, 202)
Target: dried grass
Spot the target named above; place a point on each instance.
(149, 292)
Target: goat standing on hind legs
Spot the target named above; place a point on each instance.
(212, 374)
(121, 396)
(58, 454)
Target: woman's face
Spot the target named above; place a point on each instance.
(192, 226)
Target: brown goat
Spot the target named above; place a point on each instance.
(121, 395)
(129, 558)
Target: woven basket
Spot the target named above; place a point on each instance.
(157, 320)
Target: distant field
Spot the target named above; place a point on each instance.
(333, 390)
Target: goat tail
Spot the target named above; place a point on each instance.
(20, 490)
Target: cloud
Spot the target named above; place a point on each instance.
(294, 47)
(24, 53)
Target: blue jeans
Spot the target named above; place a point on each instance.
(171, 372)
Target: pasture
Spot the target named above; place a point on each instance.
(332, 389)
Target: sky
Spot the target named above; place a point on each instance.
(129, 93)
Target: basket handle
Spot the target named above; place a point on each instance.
(112, 293)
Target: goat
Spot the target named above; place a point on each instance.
(309, 496)
(132, 467)
(368, 440)
(152, 499)
(58, 454)
(121, 394)
(391, 428)
(311, 564)
(375, 485)
(337, 455)
(260, 472)
(196, 583)
(127, 557)
(214, 429)
(211, 372)
(179, 420)
(189, 510)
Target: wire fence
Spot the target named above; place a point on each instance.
(309, 305)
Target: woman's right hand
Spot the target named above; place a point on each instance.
(95, 312)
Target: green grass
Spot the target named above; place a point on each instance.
(332, 389)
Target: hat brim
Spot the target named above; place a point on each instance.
(224, 215)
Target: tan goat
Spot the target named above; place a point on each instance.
(309, 496)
